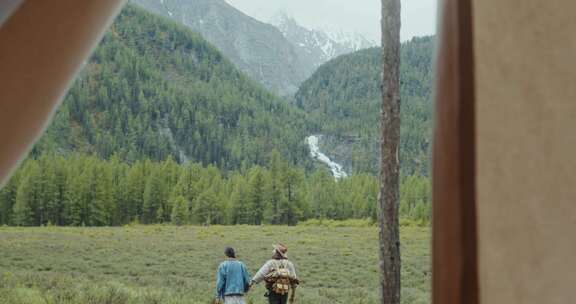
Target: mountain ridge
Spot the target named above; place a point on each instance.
(257, 48)
(319, 45)
(279, 53)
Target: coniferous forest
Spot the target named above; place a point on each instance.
(161, 128)
(344, 98)
(154, 89)
(80, 190)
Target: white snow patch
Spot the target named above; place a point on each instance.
(353, 40)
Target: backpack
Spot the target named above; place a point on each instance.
(279, 277)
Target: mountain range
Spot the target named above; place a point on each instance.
(319, 46)
(280, 55)
(163, 125)
(155, 89)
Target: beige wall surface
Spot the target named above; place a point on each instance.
(525, 52)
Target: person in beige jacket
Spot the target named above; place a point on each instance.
(280, 276)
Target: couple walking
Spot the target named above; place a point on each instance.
(233, 280)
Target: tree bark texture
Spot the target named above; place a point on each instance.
(389, 164)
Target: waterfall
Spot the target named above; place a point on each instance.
(336, 169)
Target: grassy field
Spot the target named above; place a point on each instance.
(176, 265)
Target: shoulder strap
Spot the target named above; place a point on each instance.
(276, 264)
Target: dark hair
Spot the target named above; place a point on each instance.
(229, 252)
(277, 256)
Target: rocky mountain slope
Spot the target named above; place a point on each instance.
(280, 54)
(256, 48)
(319, 46)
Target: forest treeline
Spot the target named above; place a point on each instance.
(82, 190)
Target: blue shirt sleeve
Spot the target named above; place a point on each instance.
(220, 281)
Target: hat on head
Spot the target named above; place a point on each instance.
(281, 250)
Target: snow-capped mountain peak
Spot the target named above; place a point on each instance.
(321, 45)
(353, 40)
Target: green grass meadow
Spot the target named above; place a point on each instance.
(177, 265)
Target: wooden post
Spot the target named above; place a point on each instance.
(389, 165)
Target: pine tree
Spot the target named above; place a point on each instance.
(119, 191)
(22, 212)
(152, 197)
(8, 198)
(293, 208)
(101, 207)
(256, 196)
(73, 201)
(179, 211)
(136, 180)
(240, 203)
(389, 233)
(161, 214)
(207, 209)
(321, 194)
(52, 189)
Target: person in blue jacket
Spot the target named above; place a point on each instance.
(233, 280)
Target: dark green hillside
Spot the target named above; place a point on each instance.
(154, 89)
(343, 96)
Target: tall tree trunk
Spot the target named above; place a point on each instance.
(389, 165)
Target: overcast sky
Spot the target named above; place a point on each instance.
(363, 16)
